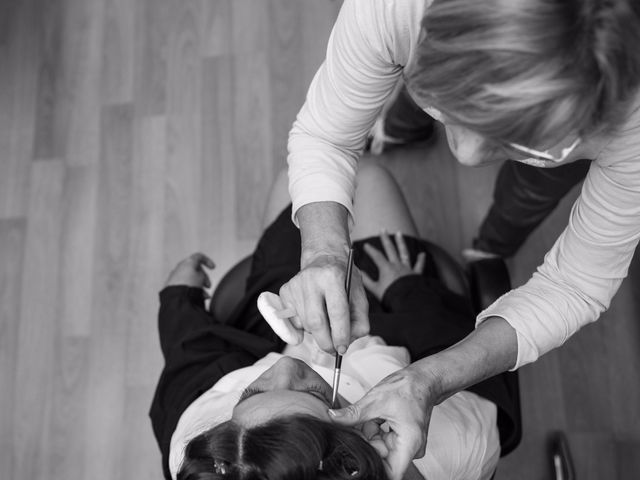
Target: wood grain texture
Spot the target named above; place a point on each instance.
(12, 243)
(77, 250)
(117, 68)
(146, 267)
(38, 321)
(134, 132)
(286, 56)
(84, 20)
(153, 24)
(18, 94)
(111, 311)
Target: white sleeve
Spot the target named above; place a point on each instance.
(463, 440)
(370, 42)
(586, 265)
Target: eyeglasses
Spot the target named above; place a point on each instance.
(548, 154)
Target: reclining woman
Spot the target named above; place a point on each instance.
(234, 401)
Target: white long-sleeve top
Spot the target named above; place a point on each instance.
(371, 44)
(463, 441)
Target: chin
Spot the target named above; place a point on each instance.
(476, 162)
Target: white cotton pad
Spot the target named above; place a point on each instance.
(277, 316)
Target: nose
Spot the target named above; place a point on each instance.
(465, 145)
(285, 373)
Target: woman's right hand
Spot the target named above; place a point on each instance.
(317, 293)
(318, 296)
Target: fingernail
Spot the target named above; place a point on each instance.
(335, 413)
(341, 349)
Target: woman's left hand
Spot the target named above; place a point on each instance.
(190, 272)
(395, 416)
(396, 263)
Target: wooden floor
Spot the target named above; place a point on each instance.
(134, 132)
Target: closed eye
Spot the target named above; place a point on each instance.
(314, 390)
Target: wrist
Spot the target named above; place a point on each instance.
(323, 232)
(431, 376)
(487, 351)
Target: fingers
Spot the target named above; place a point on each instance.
(338, 311)
(190, 272)
(309, 308)
(389, 248)
(361, 411)
(349, 415)
(201, 259)
(400, 455)
(359, 307)
(403, 252)
(376, 255)
(198, 260)
(420, 262)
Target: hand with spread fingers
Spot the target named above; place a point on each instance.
(191, 272)
(393, 264)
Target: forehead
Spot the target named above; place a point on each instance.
(266, 406)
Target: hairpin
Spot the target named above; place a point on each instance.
(352, 474)
(220, 467)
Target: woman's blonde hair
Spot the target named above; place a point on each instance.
(528, 71)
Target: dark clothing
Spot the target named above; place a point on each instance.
(523, 197)
(199, 349)
(407, 121)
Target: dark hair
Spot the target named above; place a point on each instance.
(297, 447)
(526, 71)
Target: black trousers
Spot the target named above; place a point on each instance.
(523, 195)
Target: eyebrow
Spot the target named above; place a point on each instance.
(243, 397)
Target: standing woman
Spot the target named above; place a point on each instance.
(544, 82)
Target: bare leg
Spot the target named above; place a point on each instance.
(379, 205)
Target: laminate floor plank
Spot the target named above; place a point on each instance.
(77, 250)
(154, 20)
(217, 28)
(253, 149)
(66, 442)
(18, 92)
(184, 65)
(147, 269)
(84, 34)
(118, 51)
(12, 245)
(38, 321)
(286, 54)
(111, 312)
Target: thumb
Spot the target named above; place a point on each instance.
(351, 415)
